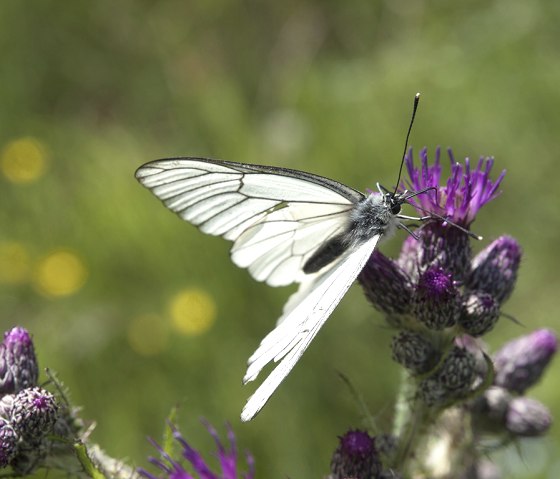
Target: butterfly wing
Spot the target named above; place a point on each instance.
(276, 217)
(304, 314)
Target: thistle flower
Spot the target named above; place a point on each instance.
(521, 362)
(465, 192)
(174, 469)
(18, 363)
(355, 457)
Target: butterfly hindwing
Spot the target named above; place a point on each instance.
(306, 312)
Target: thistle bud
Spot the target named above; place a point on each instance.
(18, 363)
(355, 457)
(8, 442)
(386, 285)
(494, 269)
(437, 300)
(451, 380)
(413, 351)
(521, 362)
(479, 314)
(528, 417)
(33, 414)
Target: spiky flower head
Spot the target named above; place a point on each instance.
(18, 363)
(355, 457)
(451, 381)
(437, 300)
(414, 351)
(386, 285)
(466, 191)
(174, 469)
(520, 363)
(33, 414)
(480, 312)
(8, 442)
(494, 269)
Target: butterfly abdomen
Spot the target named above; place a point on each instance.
(325, 255)
(370, 217)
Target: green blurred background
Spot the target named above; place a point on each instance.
(137, 310)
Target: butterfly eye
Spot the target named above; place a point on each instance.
(395, 208)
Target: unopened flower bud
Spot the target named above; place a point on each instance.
(437, 300)
(409, 256)
(458, 370)
(494, 269)
(521, 362)
(528, 417)
(489, 410)
(34, 413)
(479, 314)
(8, 442)
(355, 457)
(386, 285)
(18, 363)
(452, 379)
(413, 351)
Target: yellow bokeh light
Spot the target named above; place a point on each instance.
(192, 311)
(14, 263)
(148, 334)
(24, 160)
(60, 273)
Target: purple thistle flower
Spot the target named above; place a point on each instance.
(494, 269)
(174, 469)
(18, 363)
(520, 363)
(355, 457)
(466, 191)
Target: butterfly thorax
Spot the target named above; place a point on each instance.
(375, 215)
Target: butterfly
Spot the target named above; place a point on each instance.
(287, 226)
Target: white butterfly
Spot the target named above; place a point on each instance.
(287, 226)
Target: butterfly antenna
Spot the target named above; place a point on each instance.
(414, 108)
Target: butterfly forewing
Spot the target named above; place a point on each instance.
(276, 217)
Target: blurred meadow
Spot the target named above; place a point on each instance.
(136, 310)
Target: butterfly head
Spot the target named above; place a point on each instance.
(393, 200)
